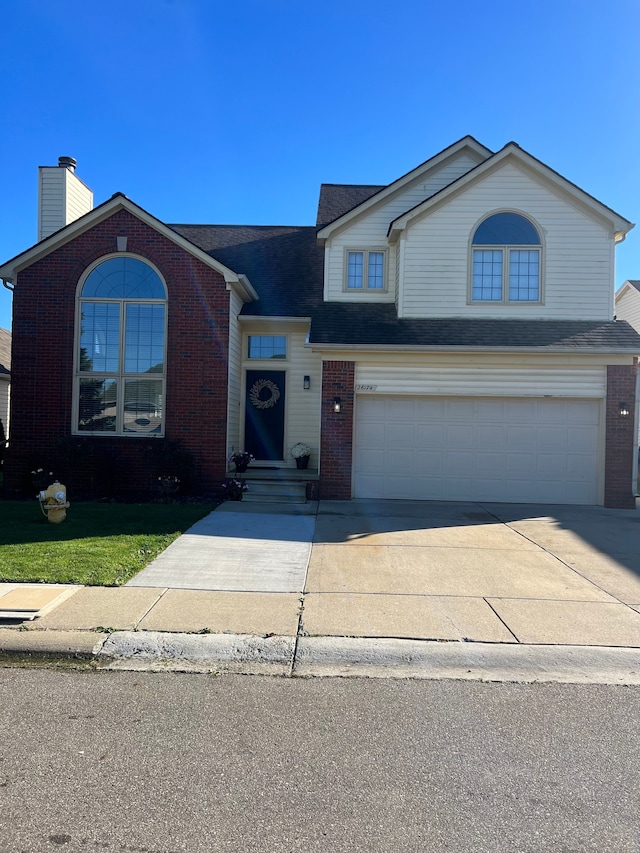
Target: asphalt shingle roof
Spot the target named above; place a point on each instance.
(352, 324)
(338, 199)
(283, 263)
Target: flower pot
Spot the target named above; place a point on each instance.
(302, 462)
(241, 467)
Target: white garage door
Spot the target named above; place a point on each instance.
(443, 448)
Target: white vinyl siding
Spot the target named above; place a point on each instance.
(477, 449)
(79, 198)
(62, 198)
(627, 308)
(235, 374)
(4, 404)
(577, 267)
(371, 230)
(483, 379)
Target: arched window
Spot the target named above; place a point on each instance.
(506, 252)
(120, 349)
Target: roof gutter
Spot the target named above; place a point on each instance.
(630, 351)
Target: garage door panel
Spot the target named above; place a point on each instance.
(428, 463)
(491, 465)
(490, 437)
(520, 438)
(438, 448)
(430, 435)
(551, 438)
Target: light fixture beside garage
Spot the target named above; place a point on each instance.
(624, 410)
(337, 405)
(306, 383)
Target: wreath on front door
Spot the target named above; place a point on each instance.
(256, 390)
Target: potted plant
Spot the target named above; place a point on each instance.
(241, 460)
(301, 453)
(234, 489)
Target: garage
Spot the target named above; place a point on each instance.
(539, 450)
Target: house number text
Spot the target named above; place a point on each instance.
(366, 387)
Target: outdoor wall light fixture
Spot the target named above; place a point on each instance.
(306, 383)
(624, 410)
(337, 405)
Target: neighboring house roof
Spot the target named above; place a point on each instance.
(634, 283)
(5, 352)
(346, 324)
(284, 263)
(337, 199)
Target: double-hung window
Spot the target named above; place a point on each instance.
(365, 270)
(506, 253)
(121, 350)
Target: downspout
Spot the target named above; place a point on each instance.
(7, 285)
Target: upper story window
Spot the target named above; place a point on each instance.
(267, 346)
(120, 350)
(506, 251)
(365, 270)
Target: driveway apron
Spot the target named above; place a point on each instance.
(242, 547)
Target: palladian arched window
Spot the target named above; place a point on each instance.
(506, 251)
(121, 349)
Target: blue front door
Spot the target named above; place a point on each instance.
(264, 414)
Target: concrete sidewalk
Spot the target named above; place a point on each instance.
(374, 584)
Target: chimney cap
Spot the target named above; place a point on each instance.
(67, 163)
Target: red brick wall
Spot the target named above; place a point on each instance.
(42, 357)
(336, 437)
(620, 436)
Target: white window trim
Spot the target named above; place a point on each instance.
(120, 376)
(365, 270)
(505, 263)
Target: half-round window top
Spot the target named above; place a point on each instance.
(506, 229)
(123, 278)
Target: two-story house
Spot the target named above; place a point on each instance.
(449, 336)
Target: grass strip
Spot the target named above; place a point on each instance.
(99, 544)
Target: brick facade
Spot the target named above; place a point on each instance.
(336, 437)
(620, 436)
(43, 340)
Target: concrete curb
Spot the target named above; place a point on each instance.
(391, 658)
(155, 650)
(306, 657)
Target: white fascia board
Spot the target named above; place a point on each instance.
(561, 186)
(244, 289)
(467, 142)
(117, 202)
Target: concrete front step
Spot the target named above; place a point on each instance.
(276, 491)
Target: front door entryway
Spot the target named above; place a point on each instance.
(264, 414)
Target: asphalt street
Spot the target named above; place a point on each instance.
(164, 762)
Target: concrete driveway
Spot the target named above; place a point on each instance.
(479, 572)
(488, 573)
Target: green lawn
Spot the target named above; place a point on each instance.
(99, 544)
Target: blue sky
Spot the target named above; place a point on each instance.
(219, 112)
